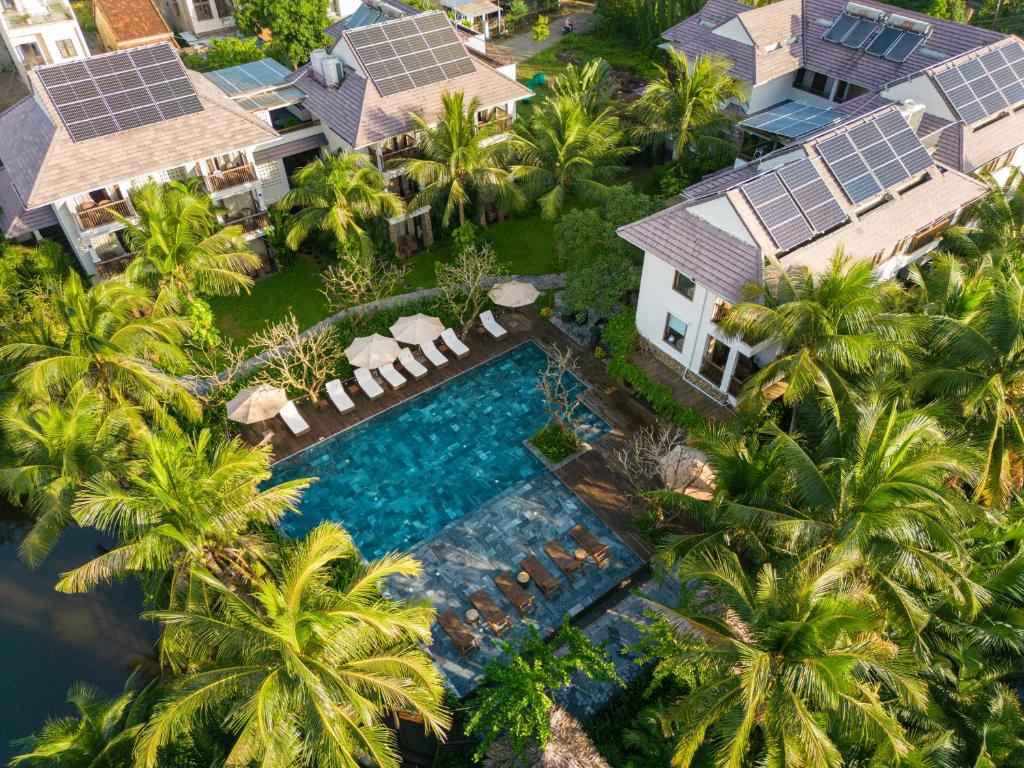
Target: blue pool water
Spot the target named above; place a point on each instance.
(402, 476)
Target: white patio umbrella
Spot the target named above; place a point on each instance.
(255, 404)
(372, 351)
(417, 329)
(513, 293)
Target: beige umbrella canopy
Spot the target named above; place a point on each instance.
(568, 747)
(255, 404)
(417, 329)
(372, 351)
(513, 293)
(686, 469)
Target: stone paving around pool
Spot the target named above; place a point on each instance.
(467, 555)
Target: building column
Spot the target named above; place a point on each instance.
(729, 368)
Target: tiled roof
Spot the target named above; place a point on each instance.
(334, 31)
(694, 37)
(982, 144)
(775, 30)
(703, 252)
(132, 19)
(15, 221)
(945, 137)
(361, 116)
(948, 39)
(45, 165)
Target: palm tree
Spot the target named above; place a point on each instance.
(338, 194)
(562, 151)
(100, 735)
(181, 250)
(589, 85)
(780, 668)
(186, 502)
(976, 364)
(462, 162)
(829, 328)
(58, 446)
(994, 230)
(107, 338)
(684, 104)
(305, 672)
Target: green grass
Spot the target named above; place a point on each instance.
(526, 246)
(620, 54)
(295, 289)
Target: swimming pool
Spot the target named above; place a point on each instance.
(400, 477)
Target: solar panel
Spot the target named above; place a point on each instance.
(986, 85)
(792, 119)
(812, 195)
(883, 41)
(118, 92)
(840, 28)
(411, 52)
(875, 155)
(861, 31)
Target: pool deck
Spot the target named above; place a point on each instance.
(592, 476)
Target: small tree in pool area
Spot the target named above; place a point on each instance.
(516, 696)
(464, 282)
(560, 436)
(298, 361)
(354, 282)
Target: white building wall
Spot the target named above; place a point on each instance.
(45, 37)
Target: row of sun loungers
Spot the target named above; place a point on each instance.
(368, 383)
(495, 617)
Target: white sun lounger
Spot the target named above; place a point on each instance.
(368, 384)
(391, 376)
(433, 354)
(487, 318)
(454, 343)
(291, 416)
(414, 367)
(336, 391)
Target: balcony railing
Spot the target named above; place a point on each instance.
(501, 117)
(719, 310)
(55, 12)
(399, 153)
(233, 177)
(712, 372)
(113, 264)
(101, 214)
(252, 223)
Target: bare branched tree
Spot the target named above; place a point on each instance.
(643, 457)
(464, 282)
(354, 282)
(557, 387)
(215, 368)
(295, 360)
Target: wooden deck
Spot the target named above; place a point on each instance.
(592, 476)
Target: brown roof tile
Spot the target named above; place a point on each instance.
(132, 19)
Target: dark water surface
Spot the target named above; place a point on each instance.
(49, 640)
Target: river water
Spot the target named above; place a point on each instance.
(49, 640)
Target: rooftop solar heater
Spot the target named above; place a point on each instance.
(840, 28)
(884, 40)
(861, 31)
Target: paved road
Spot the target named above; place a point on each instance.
(522, 44)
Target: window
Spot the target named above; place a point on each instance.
(815, 82)
(675, 332)
(67, 49)
(683, 285)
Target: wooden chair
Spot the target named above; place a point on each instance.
(570, 565)
(588, 541)
(496, 619)
(541, 576)
(458, 633)
(515, 594)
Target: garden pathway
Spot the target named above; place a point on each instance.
(523, 46)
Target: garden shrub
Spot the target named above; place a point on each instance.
(556, 442)
(620, 336)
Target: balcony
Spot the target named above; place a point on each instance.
(113, 263)
(232, 177)
(499, 116)
(390, 156)
(719, 310)
(712, 371)
(94, 215)
(55, 12)
(251, 224)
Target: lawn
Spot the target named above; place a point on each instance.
(526, 246)
(582, 48)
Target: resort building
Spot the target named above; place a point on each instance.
(39, 32)
(364, 89)
(199, 18)
(123, 24)
(811, 63)
(91, 131)
(867, 187)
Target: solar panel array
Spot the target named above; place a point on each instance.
(792, 119)
(875, 156)
(985, 85)
(411, 52)
(891, 42)
(120, 91)
(794, 204)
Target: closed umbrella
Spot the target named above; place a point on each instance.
(513, 293)
(417, 329)
(254, 404)
(372, 351)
